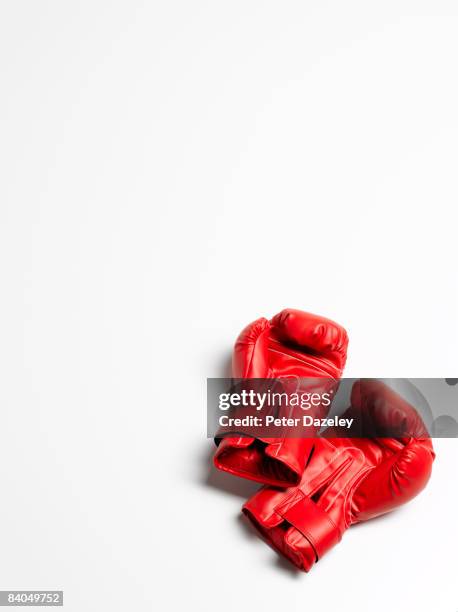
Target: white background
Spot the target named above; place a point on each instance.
(171, 171)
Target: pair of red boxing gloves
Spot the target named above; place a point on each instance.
(317, 487)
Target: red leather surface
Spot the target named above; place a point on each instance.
(293, 343)
(347, 479)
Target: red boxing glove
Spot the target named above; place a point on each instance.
(347, 480)
(292, 344)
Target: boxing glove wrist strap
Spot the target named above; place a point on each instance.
(312, 522)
